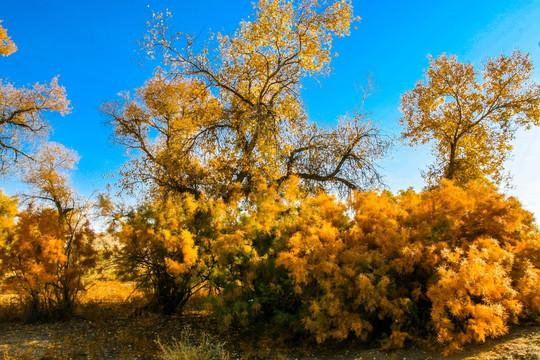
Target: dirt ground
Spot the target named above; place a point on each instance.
(107, 337)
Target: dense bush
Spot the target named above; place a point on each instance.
(455, 263)
(460, 261)
(250, 288)
(164, 247)
(172, 248)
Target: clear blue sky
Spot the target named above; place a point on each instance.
(92, 46)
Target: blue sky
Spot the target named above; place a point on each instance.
(92, 46)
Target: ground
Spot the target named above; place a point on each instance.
(110, 324)
(135, 337)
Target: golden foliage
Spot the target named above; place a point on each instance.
(22, 112)
(42, 266)
(473, 297)
(160, 248)
(225, 116)
(345, 268)
(7, 46)
(470, 116)
(458, 259)
(8, 211)
(22, 117)
(49, 248)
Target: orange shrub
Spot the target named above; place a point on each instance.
(461, 261)
(44, 262)
(164, 247)
(473, 296)
(342, 268)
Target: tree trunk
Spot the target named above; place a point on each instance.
(450, 170)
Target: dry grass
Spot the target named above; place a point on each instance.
(194, 346)
(106, 297)
(110, 292)
(10, 307)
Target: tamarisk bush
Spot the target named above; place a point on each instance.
(460, 261)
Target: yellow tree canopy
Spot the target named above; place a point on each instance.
(469, 115)
(22, 121)
(230, 114)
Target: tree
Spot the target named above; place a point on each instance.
(471, 115)
(48, 176)
(22, 112)
(219, 117)
(49, 249)
(251, 289)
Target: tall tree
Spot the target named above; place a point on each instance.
(470, 116)
(51, 247)
(22, 112)
(223, 116)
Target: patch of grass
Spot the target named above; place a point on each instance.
(191, 346)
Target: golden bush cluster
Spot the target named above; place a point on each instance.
(456, 263)
(460, 261)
